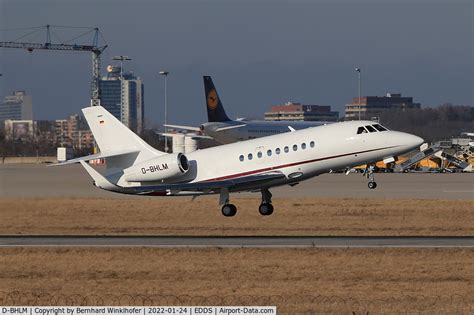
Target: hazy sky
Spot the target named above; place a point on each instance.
(259, 53)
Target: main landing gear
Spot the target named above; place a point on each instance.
(230, 210)
(369, 173)
(266, 207)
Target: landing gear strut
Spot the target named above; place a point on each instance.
(369, 173)
(266, 207)
(228, 209)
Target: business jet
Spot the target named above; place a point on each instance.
(224, 130)
(134, 167)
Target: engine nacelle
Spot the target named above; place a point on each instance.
(159, 168)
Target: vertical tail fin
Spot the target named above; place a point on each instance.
(215, 110)
(112, 136)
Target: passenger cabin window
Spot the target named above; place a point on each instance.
(277, 150)
(286, 149)
(259, 154)
(241, 158)
(295, 147)
(269, 152)
(303, 146)
(380, 127)
(361, 130)
(311, 144)
(371, 129)
(250, 156)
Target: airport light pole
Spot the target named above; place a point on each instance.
(165, 74)
(359, 72)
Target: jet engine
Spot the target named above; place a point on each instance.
(159, 168)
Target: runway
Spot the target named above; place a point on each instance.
(237, 242)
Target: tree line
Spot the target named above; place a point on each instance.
(431, 123)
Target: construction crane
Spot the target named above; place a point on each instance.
(95, 49)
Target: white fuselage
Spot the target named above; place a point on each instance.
(336, 146)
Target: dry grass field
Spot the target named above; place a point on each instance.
(181, 216)
(297, 280)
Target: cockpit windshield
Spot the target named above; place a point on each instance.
(380, 127)
(371, 128)
(361, 130)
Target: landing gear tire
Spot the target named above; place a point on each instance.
(229, 210)
(372, 185)
(265, 209)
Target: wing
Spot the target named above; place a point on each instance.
(236, 184)
(230, 127)
(189, 128)
(191, 135)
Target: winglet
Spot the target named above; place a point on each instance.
(99, 180)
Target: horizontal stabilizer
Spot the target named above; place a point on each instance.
(101, 155)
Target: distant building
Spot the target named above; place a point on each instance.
(30, 130)
(73, 132)
(297, 111)
(19, 129)
(122, 94)
(18, 106)
(372, 106)
(45, 131)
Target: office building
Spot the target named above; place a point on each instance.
(300, 112)
(73, 132)
(122, 95)
(372, 106)
(18, 106)
(19, 129)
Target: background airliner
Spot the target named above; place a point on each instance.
(134, 167)
(224, 130)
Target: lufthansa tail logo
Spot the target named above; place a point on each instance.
(212, 100)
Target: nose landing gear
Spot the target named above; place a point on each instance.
(369, 173)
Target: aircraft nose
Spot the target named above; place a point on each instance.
(413, 141)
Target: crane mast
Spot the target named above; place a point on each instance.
(95, 50)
